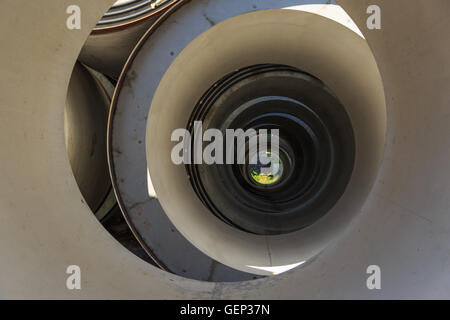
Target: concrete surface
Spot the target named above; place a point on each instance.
(45, 226)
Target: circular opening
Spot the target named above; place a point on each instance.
(331, 134)
(265, 169)
(287, 150)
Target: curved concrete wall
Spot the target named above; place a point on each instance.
(45, 226)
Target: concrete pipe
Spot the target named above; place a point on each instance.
(85, 119)
(118, 31)
(307, 44)
(402, 226)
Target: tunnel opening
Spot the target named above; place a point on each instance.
(313, 161)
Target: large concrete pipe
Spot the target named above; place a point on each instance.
(85, 118)
(403, 226)
(118, 31)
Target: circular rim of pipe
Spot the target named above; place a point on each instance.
(113, 108)
(254, 253)
(100, 29)
(79, 111)
(110, 202)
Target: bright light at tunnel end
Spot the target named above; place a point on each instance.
(278, 269)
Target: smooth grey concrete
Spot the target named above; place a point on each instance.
(85, 122)
(404, 226)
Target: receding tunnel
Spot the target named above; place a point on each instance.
(360, 176)
(306, 175)
(298, 77)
